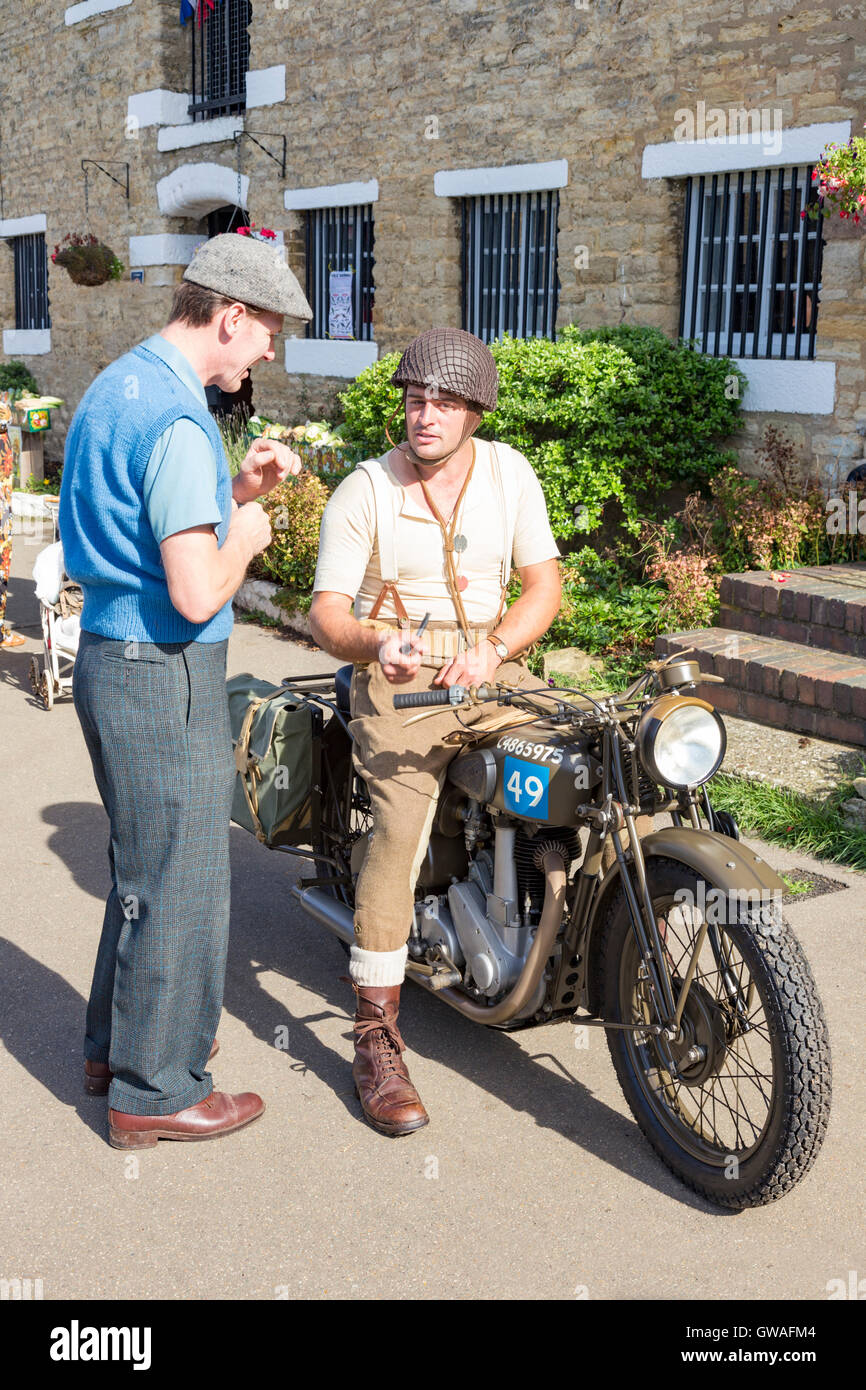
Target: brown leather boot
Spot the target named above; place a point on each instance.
(98, 1075)
(389, 1100)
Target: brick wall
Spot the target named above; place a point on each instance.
(508, 83)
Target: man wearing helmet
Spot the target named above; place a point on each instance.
(433, 526)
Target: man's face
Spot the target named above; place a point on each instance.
(244, 338)
(435, 423)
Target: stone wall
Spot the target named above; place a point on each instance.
(366, 86)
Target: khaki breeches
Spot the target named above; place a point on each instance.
(404, 769)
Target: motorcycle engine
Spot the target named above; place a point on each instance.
(484, 923)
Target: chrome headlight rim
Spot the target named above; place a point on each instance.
(650, 724)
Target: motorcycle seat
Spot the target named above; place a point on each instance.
(342, 682)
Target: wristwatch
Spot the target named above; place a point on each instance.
(499, 647)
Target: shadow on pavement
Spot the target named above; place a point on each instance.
(42, 1027)
(269, 934)
(80, 839)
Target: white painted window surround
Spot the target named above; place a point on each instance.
(798, 145)
(328, 356)
(266, 86)
(798, 388)
(506, 178)
(192, 190)
(23, 226)
(88, 8)
(332, 195)
(159, 107)
(183, 137)
(26, 342)
(162, 249)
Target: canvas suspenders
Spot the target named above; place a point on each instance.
(386, 498)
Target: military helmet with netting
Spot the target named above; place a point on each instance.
(450, 359)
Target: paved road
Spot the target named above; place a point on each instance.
(531, 1181)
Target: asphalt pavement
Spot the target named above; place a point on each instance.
(531, 1181)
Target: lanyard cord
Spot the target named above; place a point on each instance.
(448, 530)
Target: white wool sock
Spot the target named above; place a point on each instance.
(376, 968)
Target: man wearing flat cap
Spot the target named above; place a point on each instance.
(159, 536)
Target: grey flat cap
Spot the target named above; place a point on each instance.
(250, 271)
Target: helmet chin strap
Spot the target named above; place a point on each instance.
(406, 448)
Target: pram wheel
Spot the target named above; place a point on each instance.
(48, 689)
(35, 678)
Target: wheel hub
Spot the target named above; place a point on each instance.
(700, 1049)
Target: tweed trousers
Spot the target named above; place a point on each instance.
(156, 723)
(404, 768)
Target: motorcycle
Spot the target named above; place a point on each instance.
(679, 950)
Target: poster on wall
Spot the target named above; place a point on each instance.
(340, 304)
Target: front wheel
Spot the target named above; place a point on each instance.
(739, 1107)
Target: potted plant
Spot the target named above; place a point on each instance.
(87, 260)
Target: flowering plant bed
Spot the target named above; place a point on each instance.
(87, 260)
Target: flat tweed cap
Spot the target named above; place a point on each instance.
(247, 270)
(452, 360)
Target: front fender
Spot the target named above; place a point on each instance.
(723, 863)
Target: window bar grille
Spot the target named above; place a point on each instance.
(724, 245)
(31, 281)
(514, 264)
(464, 264)
(817, 261)
(687, 216)
(749, 258)
(762, 261)
(734, 263)
(802, 267)
(789, 265)
(708, 264)
(696, 259)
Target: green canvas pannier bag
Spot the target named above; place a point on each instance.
(273, 731)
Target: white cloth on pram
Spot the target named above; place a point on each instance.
(48, 575)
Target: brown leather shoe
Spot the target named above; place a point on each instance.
(211, 1118)
(98, 1075)
(389, 1100)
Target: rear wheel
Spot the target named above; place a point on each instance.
(739, 1108)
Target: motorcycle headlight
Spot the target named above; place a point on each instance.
(681, 741)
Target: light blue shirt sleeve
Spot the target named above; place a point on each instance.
(179, 485)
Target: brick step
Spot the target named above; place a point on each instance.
(783, 684)
(823, 607)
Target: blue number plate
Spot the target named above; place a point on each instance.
(526, 787)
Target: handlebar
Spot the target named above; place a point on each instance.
(452, 695)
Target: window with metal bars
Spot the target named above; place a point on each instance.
(340, 239)
(510, 282)
(220, 59)
(31, 281)
(751, 264)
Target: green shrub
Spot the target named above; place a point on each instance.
(15, 377)
(607, 413)
(295, 509)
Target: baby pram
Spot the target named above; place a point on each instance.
(60, 603)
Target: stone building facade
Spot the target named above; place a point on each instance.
(414, 113)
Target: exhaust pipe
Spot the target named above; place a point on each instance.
(340, 920)
(325, 910)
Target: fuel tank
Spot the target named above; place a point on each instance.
(535, 772)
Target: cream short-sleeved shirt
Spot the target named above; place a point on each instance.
(349, 554)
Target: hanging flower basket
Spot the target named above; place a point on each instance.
(840, 176)
(87, 260)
